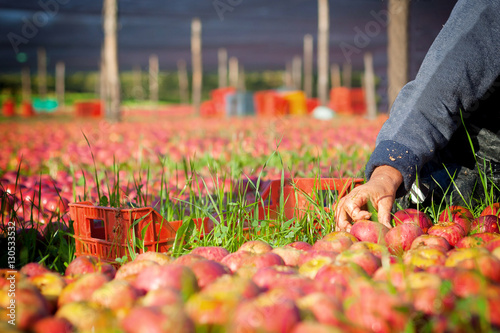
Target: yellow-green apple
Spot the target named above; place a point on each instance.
(87, 317)
(338, 235)
(83, 288)
(115, 295)
(377, 250)
(423, 257)
(174, 276)
(51, 285)
(457, 255)
(158, 257)
(255, 247)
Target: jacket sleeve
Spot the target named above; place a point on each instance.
(460, 67)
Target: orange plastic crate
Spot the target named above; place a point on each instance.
(88, 109)
(298, 193)
(108, 232)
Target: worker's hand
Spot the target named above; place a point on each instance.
(380, 190)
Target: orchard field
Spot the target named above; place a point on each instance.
(229, 262)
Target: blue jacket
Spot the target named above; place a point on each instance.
(458, 83)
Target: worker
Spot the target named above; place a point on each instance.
(442, 139)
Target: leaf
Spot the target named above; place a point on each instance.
(372, 211)
(184, 231)
(103, 201)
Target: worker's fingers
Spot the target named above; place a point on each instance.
(384, 211)
(343, 221)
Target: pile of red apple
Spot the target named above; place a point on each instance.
(417, 276)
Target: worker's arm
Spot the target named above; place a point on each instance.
(459, 70)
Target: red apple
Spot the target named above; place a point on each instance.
(378, 250)
(477, 240)
(265, 315)
(215, 253)
(324, 309)
(431, 241)
(52, 325)
(466, 283)
(493, 209)
(300, 246)
(156, 320)
(188, 259)
(33, 268)
(459, 215)
(207, 271)
(289, 255)
(337, 245)
(364, 258)
(401, 237)
(267, 277)
(129, 270)
(451, 231)
(485, 223)
(263, 260)
(83, 288)
(369, 231)
(235, 260)
(255, 247)
(161, 297)
(89, 264)
(411, 215)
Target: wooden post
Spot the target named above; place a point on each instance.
(154, 69)
(222, 57)
(196, 63)
(183, 82)
(233, 72)
(26, 84)
(60, 74)
(297, 72)
(323, 36)
(371, 103)
(112, 101)
(397, 52)
(241, 78)
(288, 75)
(308, 65)
(347, 76)
(42, 72)
(335, 75)
(138, 92)
(102, 78)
